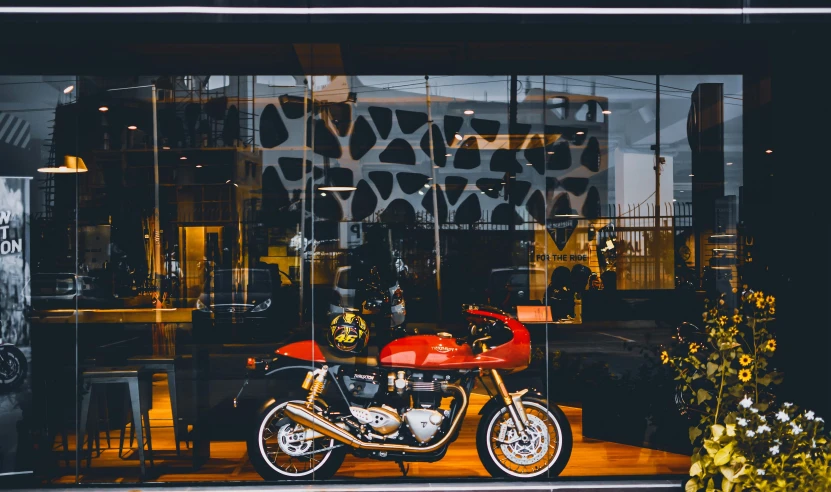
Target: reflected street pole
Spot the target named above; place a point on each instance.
(302, 247)
(656, 242)
(157, 236)
(436, 225)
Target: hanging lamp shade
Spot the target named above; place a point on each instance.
(71, 164)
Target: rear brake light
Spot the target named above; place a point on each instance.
(251, 363)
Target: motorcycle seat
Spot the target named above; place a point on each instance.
(367, 358)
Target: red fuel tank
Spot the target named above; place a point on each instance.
(436, 353)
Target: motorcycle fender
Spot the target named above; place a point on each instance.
(497, 402)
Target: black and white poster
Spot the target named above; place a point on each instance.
(15, 350)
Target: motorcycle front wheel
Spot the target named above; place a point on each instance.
(13, 368)
(543, 451)
(279, 448)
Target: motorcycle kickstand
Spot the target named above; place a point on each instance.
(404, 469)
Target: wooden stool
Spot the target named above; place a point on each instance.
(153, 364)
(131, 376)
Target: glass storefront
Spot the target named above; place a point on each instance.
(179, 251)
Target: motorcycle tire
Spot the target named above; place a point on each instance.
(14, 370)
(269, 469)
(506, 467)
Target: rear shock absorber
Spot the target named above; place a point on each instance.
(315, 382)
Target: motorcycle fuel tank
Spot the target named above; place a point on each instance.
(437, 353)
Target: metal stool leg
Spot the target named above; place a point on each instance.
(174, 406)
(86, 396)
(147, 437)
(128, 406)
(135, 405)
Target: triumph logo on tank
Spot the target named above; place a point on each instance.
(8, 244)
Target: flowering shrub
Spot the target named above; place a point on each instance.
(743, 440)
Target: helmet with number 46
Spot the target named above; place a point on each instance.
(348, 333)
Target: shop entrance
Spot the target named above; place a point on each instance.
(201, 254)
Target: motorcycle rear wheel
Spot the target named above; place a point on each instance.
(545, 452)
(13, 368)
(270, 443)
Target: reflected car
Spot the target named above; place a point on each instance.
(518, 286)
(65, 291)
(343, 297)
(239, 305)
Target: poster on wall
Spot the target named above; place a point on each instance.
(15, 350)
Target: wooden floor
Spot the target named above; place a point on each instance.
(229, 461)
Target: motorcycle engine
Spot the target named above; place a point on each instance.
(423, 423)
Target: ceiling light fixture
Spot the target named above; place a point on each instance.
(183, 158)
(607, 111)
(691, 175)
(103, 109)
(448, 154)
(199, 165)
(337, 188)
(165, 147)
(71, 164)
(769, 151)
(132, 127)
(566, 215)
(581, 133)
(528, 164)
(69, 89)
(322, 194)
(729, 163)
(468, 111)
(458, 137)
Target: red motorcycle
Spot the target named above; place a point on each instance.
(391, 405)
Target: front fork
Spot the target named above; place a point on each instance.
(512, 401)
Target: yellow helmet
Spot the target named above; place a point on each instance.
(348, 333)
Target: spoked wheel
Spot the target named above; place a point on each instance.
(281, 449)
(13, 368)
(544, 448)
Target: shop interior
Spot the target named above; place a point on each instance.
(181, 225)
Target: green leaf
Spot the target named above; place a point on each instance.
(711, 447)
(692, 485)
(722, 457)
(694, 433)
(711, 368)
(718, 431)
(726, 485)
(702, 395)
(695, 469)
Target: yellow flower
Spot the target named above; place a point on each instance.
(771, 345)
(772, 310)
(664, 357)
(734, 331)
(745, 375)
(737, 318)
(770, 299)
(722, 320)
(760, 304)
(704, 316)
(734, 290)
(693, 348)
(745, 360)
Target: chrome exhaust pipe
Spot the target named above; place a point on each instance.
(307, 418)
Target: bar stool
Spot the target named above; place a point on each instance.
(156, 364)
(132, 377)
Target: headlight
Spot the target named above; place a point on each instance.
(201, 305)
(262, 306)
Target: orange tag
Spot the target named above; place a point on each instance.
(534, 314)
